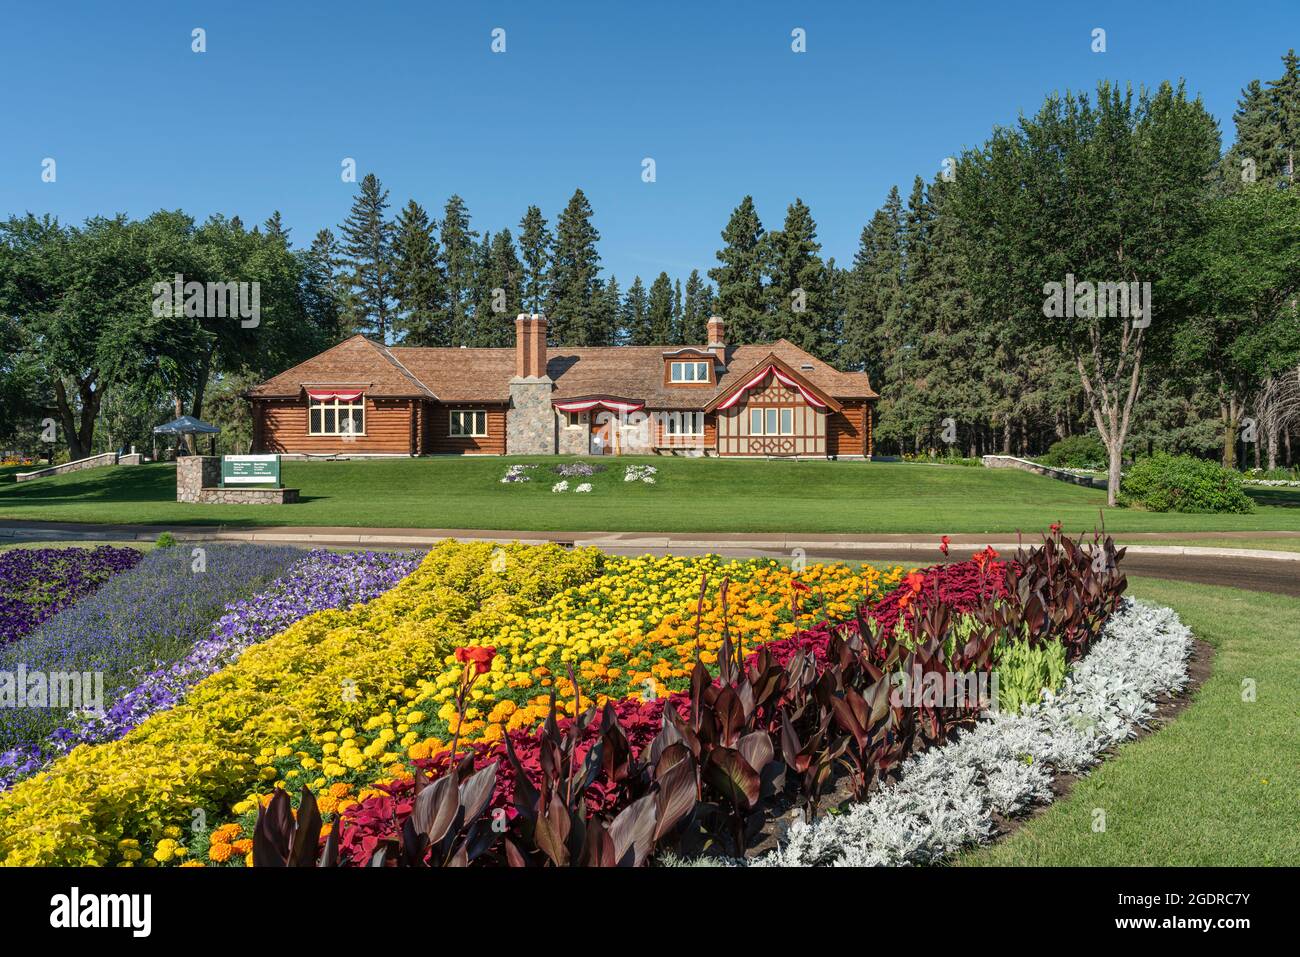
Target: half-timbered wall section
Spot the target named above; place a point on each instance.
(773, 420)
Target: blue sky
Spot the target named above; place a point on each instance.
(710, 90)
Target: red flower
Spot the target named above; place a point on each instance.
(943, 545)
(481, 657)
(798, 585)
(1056, 528)
(914, 581)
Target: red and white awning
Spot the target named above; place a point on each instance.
(343, 395)
(782, 377)
(587, 403)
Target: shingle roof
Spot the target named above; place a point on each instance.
(483, 375)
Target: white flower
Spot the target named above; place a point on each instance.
(561, 486)
(584, 487)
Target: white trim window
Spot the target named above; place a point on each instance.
(468, 423)
(683, 423)
(575, 420)
(771, 421)
(335, 416)
(689, 372)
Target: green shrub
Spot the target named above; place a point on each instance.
(166, 540)
(1182, 483)
(1076, 452)
(1024, 671)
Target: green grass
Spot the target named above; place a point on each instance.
(1217, 786)
(1264, 543)
(691, 495)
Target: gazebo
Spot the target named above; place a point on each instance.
(186, 425)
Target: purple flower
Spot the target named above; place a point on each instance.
(317, 581)
(36, 583)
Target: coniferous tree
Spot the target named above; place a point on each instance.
(325, 265)
(611, 309)
(874, 293)
(696, 308)
(635, 325)
(575, 267)
(419, 285)
(678, 318)
(740, 296)
(659, 312)
(797, 284)
(499, 291)
(459, 267)
(367, 247)
(535, 250)
(275, 227)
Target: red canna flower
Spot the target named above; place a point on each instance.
(943, 545)
(480, 656)
(914, 581)
(798, 585)
(1056, 528)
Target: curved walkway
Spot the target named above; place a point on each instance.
(1260, 570)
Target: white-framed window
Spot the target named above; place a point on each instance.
(689, 372)
(337, 417)
(771, 421)
(468, 422)
(683, 423)
(575, 420)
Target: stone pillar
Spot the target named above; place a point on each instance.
(195, 473)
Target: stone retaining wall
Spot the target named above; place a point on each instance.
(90, 462)
(1011, 462)
(248, 496)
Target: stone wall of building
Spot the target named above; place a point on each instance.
(530, 422)
(572, 441)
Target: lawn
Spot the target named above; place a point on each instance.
(1219, 785)
(690, 495)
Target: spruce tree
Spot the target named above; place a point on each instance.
(695, 309)
(419, 284)
(610, 305)
(572, 309)
(635, 326)
(367, 247)
(323, 288)
(275, 227)
(797, 289)
(500, 291)
(659, 312)
(535, 250)
(740, 298)
(458, 263)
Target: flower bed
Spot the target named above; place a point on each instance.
(320, 581)
(149, 615)
(36, 583)
(708, 693)
(947, 797)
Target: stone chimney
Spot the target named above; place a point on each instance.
(718, 337)
(530, 346)
(531, 422)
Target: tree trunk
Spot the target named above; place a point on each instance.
(1115, 452)
(1230, 415)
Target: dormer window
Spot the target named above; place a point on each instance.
(689, 372)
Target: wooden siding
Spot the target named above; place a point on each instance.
(847, 429)
(280, 425)
(808, 438)
(438, 440)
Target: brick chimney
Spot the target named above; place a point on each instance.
(718, 337)
(530, 346)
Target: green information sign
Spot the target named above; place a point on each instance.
(250, 470)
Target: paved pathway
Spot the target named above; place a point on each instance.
(1263, 570)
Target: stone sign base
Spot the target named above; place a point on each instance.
(248, 496)
(197, 478)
